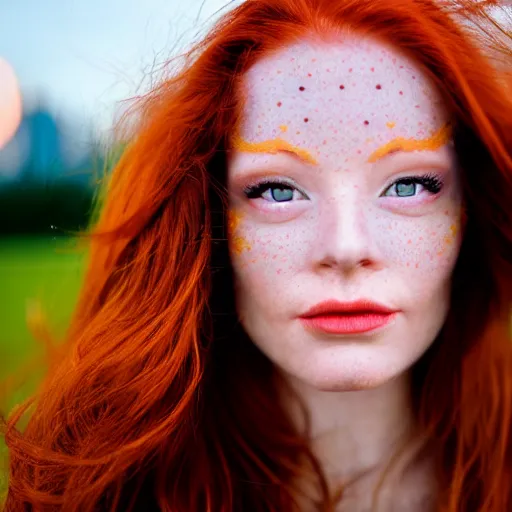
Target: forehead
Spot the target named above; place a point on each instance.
(359, 88)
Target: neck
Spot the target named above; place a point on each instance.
(357, 432)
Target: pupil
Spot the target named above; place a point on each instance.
(406, 188)
(282, 194)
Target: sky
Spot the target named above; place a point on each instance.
(84, 57)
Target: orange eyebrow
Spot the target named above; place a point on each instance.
(273, 146)
(435, 141)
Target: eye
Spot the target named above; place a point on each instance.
(412, 185)
(274, 191)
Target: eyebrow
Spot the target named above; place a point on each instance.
(435, 141)
(273, 146)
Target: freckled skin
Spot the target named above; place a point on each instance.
(237, 243)
(339, 238)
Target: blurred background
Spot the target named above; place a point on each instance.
(68, 69)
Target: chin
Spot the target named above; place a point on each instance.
(344, 384)
(347, 376)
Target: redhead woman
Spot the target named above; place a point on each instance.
(299, 289)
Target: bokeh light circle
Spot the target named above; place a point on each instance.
(10, 103)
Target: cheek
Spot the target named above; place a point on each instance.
(424, 245)
(267, 252)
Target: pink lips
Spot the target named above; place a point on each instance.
(356, 317)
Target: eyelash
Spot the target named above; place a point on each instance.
(431, 182)
(255, 190)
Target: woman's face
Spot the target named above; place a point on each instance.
(343, 187)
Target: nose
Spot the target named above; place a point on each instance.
(344, 241)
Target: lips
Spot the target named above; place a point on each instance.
(356, 317)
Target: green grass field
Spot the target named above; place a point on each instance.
(45, 271)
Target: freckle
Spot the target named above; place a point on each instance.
(297, 133)
(378, 86)
(401, 93)
(301, 88)
(408, 264)
(401, 67)
(372, 69)
(309, 74)
(279, 103)
(306, 119)
(328, 70)
(350, 70)
(342, 87)
(417, 265)
(421, 238)
(416, 106)
(313, 60)
(358, 151)
(279, 270)
(278, 71)
(324, 142)
(367, 122)
(409, 241)
(274, 257)
(414, 78)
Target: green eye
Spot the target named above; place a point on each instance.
(274, 192)
(408, 187)
(280, 194)
(405, 189)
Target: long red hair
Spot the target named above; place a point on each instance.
(160, 389)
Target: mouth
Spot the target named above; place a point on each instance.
(356, 317)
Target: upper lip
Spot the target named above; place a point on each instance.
(332, 307)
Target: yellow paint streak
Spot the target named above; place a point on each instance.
(390, 124)
(449, 239)
(273, 146)
(238, 243)
(435, 141)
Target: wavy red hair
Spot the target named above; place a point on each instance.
(159, 390)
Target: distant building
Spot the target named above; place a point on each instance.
(43, 150)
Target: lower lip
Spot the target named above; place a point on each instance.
(348, 323)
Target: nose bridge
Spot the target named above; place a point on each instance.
(343, 234)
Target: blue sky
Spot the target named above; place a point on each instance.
(85, 56)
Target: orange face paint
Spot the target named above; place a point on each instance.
(435, 141)
(390, 124)
(238, 243)
(272, 146)
(449, 239)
